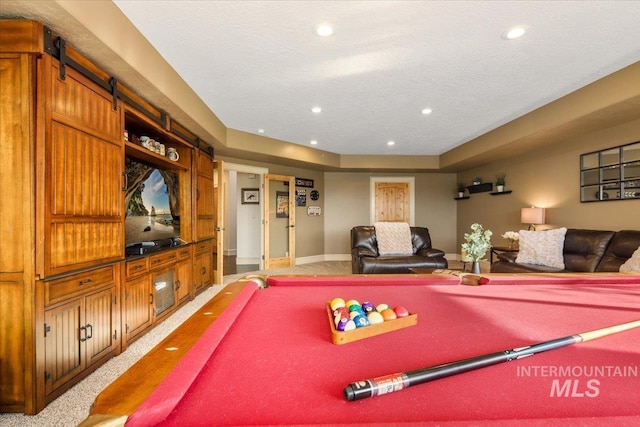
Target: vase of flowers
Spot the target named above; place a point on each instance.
(512, 237)
(478, 242)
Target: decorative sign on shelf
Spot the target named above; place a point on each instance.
(302, 182)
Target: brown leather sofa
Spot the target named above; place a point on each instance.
(365, 258)
(585, 251)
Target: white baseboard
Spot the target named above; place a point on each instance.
(247, 261)
(230, 252)
(325, 257)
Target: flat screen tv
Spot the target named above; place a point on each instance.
(152, 203)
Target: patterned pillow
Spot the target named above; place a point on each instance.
(632, 265)
(394, 238)
(542, 247)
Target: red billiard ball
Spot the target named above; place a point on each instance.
(401, 311)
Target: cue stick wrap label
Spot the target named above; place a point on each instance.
(388, 384)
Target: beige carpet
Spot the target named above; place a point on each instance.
(73, 406)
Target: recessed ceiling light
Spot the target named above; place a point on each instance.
(313, 142)
(260, 130)
(316, 109)
(513, 33)
(324, 30)
(426, 111)
(390, 143)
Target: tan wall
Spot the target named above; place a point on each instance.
(348, 201)
(549, 178)
(309, 229)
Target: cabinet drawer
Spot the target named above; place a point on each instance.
(137, 267)
(184, 253)
(78, 284)
(203, 246)
(162, 259)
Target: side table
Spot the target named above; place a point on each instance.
(496, 249)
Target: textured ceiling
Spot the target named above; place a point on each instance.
(258, 64)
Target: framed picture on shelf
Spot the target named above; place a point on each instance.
(250, 196)
(282, 204)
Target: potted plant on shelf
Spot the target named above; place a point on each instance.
(477, 244)
(500, 182)
(460, 190)
(477, 180)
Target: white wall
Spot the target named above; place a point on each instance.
(248, 222)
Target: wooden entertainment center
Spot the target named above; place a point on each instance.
(70, 299)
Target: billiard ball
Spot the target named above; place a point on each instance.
(375, 317)
(381, 307)
(342, 311)
(353, 314)
(351, 302)
(388, 314)
(361, 320)
(345, 325)
(401, 311)
(337, 303)
(355, 307)
(368, 307)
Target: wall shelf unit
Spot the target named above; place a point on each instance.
(500, 193)
(480, 188)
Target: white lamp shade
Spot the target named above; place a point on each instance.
(532, 215)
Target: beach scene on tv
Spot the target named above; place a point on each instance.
(149, 214)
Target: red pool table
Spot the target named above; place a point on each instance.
(268, 359)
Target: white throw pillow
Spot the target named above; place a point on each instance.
(542, 247)
(632, 265)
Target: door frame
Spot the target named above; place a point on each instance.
(412, 199)
(260, 172)
(289, 259)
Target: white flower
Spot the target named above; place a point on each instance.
(511, 235)
(478, 243)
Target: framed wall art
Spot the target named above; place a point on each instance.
(250, 196)
(282, 204)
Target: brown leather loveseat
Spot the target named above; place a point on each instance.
(365, 258)
(585, 251)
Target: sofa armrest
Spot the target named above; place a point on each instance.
(430, 253)
(507, 256)
(360, 252)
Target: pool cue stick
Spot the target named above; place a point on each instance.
(399, 381)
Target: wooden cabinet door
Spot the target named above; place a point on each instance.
(64, 358)
(202, 270)
(137, 306)
(183, 281)
(205, 215)
(101, 335)
(82, 196)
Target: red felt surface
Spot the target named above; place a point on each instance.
(277, 365)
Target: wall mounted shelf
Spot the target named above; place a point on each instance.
(461, 198)
(499, 193)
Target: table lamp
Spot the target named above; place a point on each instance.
(532, 216)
